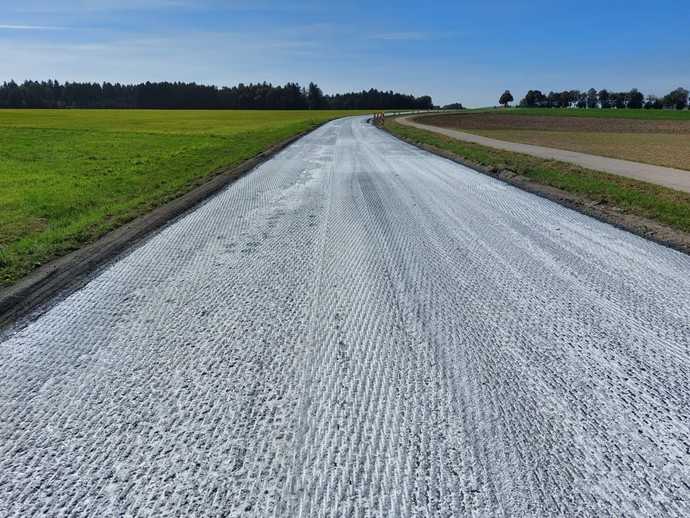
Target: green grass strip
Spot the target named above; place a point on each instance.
(647, 200)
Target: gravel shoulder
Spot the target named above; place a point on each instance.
(677, 179)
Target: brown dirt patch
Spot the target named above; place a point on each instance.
(498, 121)
(664, 149)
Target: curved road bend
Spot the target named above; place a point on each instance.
(677, 179)
(358, 328)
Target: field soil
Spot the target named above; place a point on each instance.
(609, 113)
(668, 150)
(501, 121)
(659, 142)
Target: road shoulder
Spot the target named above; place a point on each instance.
(601, 209)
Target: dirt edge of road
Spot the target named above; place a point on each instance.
(67, 273)
(640, 226)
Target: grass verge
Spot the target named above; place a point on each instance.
(610, 193)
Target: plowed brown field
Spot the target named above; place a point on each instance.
(658, 142)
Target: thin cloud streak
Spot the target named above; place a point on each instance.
(400, 36)
(31, 28)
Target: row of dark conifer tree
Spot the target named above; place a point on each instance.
(178, 95)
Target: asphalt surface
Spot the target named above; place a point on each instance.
(358, 328)
(666, 176)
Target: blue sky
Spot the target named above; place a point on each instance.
(453, 50)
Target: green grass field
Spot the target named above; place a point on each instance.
(658, 203)
(69, 176)
(681, 115)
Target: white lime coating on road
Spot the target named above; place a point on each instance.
(359, 328)
(670, 177)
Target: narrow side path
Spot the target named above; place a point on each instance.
(666, 176)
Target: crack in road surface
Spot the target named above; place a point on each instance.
(359, 328)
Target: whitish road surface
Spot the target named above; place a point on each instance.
(359, 329)
(667, 176)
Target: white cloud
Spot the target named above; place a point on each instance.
(94, 6)
(31, 28)
(400, 36)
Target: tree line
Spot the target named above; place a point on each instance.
(179, 95)
(634, 99)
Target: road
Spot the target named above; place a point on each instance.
(666, 176)
(358, 328)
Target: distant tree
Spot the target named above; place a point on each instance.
(553, 100)
(568, 97)
(291, 96)
(424, 102)
(581, 101)
(653, 103)
(314, 97)
(635, 99)
(618, 100)
(533, 99)
(454, 106)
(604, 98)
(677, 99)
(592, 99)
(506, 98)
